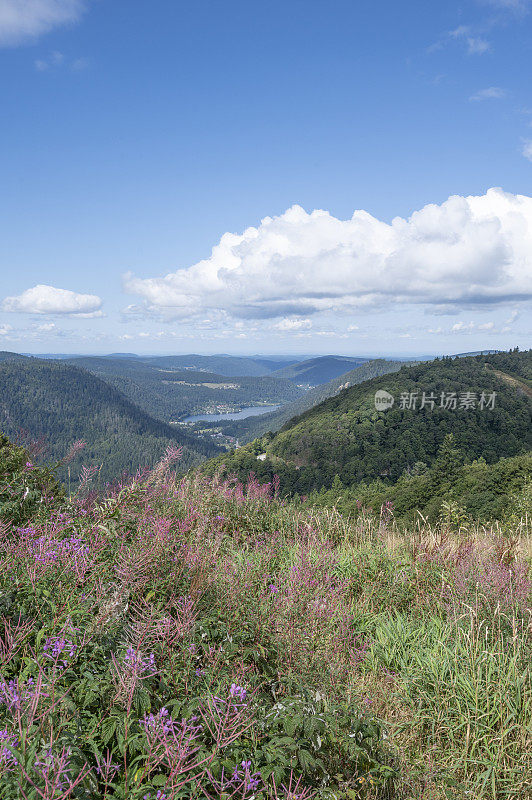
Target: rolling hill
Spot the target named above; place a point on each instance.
(346, 436)
(5, 355)
(228, 366)
(60, 403)
(319, 370)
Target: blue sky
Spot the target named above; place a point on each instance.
(136, 137)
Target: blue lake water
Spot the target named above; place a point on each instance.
(252, 411)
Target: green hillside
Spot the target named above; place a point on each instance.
(245, 430)
(450, 490)
(319, 370)
(5, 355)
(60, 404)
(348, 437)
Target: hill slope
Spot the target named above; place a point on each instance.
(245, 430)
(60, 403)
(319, 370)
(345, 435)
(191, 639)
(5, 355)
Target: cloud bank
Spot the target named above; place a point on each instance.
(26, 19)
(43, 299)
(468, 251)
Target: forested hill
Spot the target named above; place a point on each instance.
(319, 370)
(250, 428)
(229, 366)
(346, 436)
(60, 403)
(5, 355)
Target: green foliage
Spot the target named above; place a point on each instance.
(23, 485)
(450, 490)
(463, 683)
(307, 733)
(372, 662)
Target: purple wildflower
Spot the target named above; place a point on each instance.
(15, 695)
(237, 691)
(136, 663)
(56, 646)
(7, 741)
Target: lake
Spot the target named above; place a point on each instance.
(252, 411)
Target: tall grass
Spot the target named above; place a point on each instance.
(194, 639)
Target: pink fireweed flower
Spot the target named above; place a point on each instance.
(161, 722)
(171, 742)
(106, 769)
(57, 773)
(128, 673)
(74, 449)
(237, 784)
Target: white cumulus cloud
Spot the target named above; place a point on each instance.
(42, 299)
(46, 327)
(468, 251)
(26, 19)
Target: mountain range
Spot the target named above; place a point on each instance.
(121, 407)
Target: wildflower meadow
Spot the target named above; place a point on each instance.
(184, 637)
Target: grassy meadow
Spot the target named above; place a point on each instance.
(193, 638)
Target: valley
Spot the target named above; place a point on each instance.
(128, 408)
